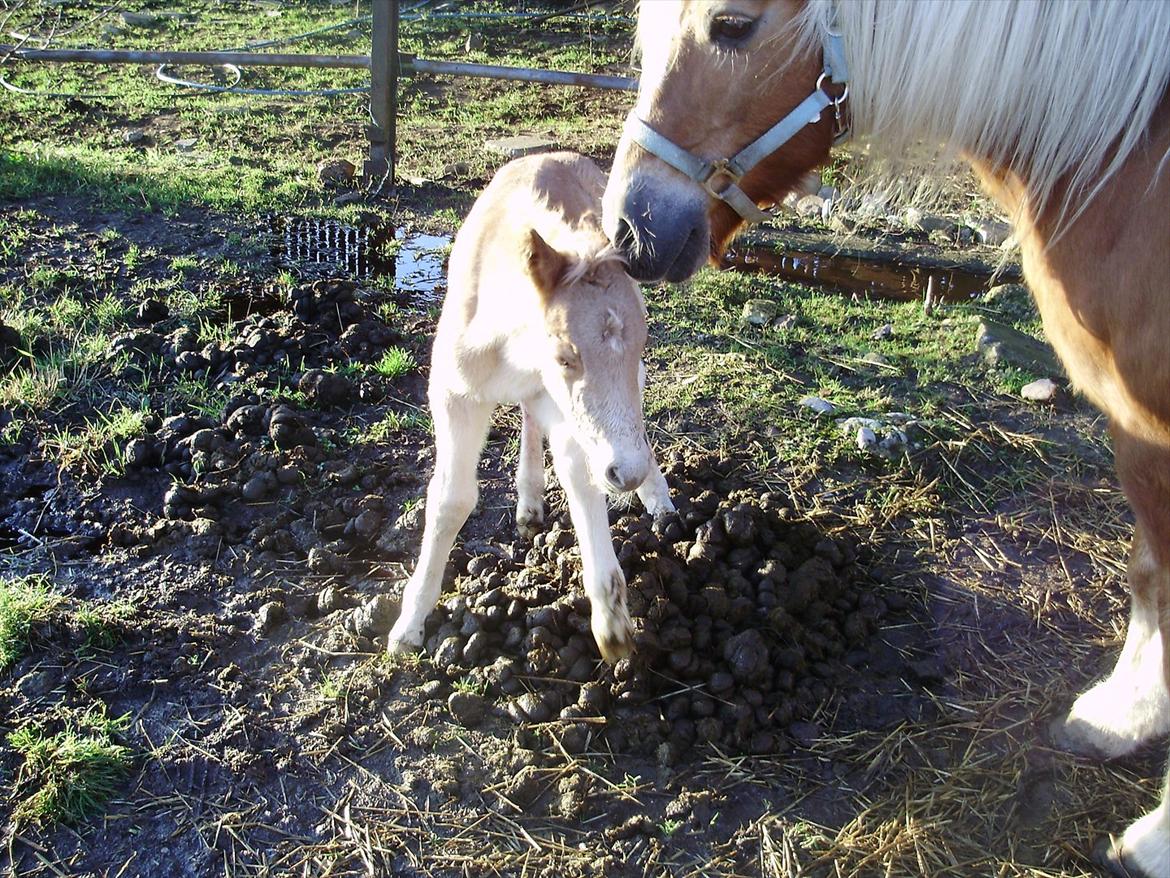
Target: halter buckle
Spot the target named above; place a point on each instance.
(719, 168)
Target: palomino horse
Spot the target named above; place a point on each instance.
(1063, 111)
(539, 311)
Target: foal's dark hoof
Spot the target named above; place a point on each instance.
(1107, 854)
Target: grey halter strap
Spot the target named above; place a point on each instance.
(709, 173)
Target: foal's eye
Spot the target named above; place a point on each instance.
(731, 30)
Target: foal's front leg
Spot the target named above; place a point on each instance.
(604, 583)
(530, 476)
(654, 492)
(460, 429)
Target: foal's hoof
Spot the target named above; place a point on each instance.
(401, 646)
(1108, 855)
(529, 522)
(615, 645)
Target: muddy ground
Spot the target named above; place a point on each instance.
(217, 445)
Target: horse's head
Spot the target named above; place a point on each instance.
(595, 325)
(716, 74)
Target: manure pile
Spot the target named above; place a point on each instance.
(748, 621)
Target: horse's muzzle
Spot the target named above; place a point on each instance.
(660, 235)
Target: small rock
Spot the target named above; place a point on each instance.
(883, 332)
(874, 358)
(467, 708)
(999, 343)
(475, 42)
(866, 439)
(759, 312)
(186, 144)
(351, 197)
(1041, 390)
(818, 405)
(335, 170)
(142, 19)
(519, 145)
(133, 136)
(915, 219)
(809, 206)
(992, 232)
(785, 323)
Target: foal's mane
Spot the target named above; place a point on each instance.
(1061, 93)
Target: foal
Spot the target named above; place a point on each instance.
(539, 311)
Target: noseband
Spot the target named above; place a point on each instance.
(720, 177)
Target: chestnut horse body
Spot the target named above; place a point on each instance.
(1063, 111)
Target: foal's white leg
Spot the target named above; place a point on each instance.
(460, 429)
(530, 476)
(654, 492)
(603, 579)
(1131, 705)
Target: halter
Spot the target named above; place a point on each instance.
(709, 172)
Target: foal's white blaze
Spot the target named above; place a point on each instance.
(539, 312)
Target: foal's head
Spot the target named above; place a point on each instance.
(716, 74)
(595, 323)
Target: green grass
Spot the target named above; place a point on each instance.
(24, 603)
(391, 424)
(68, 775)
(395, 362)
(97, 446)
(102, 623)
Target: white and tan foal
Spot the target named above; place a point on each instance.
(540, 312)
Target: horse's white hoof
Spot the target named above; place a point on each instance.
(1112, 720)
(1144, 850)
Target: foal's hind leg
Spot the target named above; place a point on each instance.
(460, 429)
(530, 476)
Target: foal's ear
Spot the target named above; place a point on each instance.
(545, 265)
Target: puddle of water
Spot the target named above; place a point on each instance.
(866, 277)
(417, 262)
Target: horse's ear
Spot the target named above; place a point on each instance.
(545, 265)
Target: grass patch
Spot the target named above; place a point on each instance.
(395, 362)
(24, 602)
(68, 775)
(97, 446)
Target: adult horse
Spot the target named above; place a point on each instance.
(1062, 109)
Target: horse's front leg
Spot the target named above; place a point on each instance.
(530, 476)
(460, 429)
(604, 583)
(1132, 705)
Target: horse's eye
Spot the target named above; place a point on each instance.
(731, 30)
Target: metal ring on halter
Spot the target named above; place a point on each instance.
(821, 84)
(719, 168)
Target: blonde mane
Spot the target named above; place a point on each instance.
(1058, 92)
